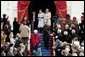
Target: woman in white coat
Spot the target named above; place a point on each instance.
(40, 20)
(47, 17)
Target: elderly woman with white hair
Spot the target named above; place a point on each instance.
(36, 43)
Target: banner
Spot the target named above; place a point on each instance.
(22, 9)
(61, 8)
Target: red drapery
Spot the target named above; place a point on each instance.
(61, 8)
(22, 9)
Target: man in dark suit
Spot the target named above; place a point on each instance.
(15, 27)
(46, 30)
(58, 48)
(4, 20)
(33, 20)
(81, 29)
(66, 34)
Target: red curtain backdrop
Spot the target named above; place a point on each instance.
(22, 9)
(61, 8)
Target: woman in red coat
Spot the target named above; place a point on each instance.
(35, 42)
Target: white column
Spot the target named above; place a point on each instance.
(75, 8)
(9, 8)
(68, 7)
(12, 12)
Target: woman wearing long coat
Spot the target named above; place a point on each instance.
(41, 19)
(47, 17)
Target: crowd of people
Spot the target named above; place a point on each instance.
(24, 40)
(69, 37)
(15, 42)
